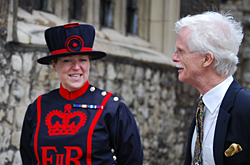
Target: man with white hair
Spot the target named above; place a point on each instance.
(206, 56)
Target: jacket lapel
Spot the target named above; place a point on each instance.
(188, 158)
(220, 135)
(223, 120)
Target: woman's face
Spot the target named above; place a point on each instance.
(73, 71)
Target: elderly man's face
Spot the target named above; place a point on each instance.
(189, 63)
(73, 71)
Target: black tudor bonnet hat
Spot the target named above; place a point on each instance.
(70, 39)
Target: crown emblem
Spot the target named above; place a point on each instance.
(64, 123)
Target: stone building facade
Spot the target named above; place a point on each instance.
(138, 68)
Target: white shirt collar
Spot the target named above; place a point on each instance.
(215, 96)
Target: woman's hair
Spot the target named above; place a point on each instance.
(218, 34)
(54, 60)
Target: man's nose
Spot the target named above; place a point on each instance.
(175, 58)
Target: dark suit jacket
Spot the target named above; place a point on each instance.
(233, 126)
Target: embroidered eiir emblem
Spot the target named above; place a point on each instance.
(65, 123)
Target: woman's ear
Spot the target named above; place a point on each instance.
(208, 59)
(54, 65)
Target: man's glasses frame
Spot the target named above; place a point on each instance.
(183, 52)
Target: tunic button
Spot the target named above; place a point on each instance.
(92, 89)
(112, 150)
(114, 157)
(104, 93)
(116, 98)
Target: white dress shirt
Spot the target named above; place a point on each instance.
(212, 100)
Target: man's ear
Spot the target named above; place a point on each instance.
(208, 59)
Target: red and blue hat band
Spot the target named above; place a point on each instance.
(61, 51)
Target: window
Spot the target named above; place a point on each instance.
(3, 18)
(78, 10)
(107, 13)
(195, 7)
(132, 16)
(30, 5)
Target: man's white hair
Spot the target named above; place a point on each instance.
(218, 34)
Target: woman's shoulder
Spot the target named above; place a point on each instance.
(49, 94)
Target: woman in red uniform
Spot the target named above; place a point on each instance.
(78, 123)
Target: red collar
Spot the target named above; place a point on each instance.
(75, 94)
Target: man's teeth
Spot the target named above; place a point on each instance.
(75, 75)
(179, 66)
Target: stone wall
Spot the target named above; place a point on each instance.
(241, 11)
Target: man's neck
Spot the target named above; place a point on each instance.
(208, 83)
